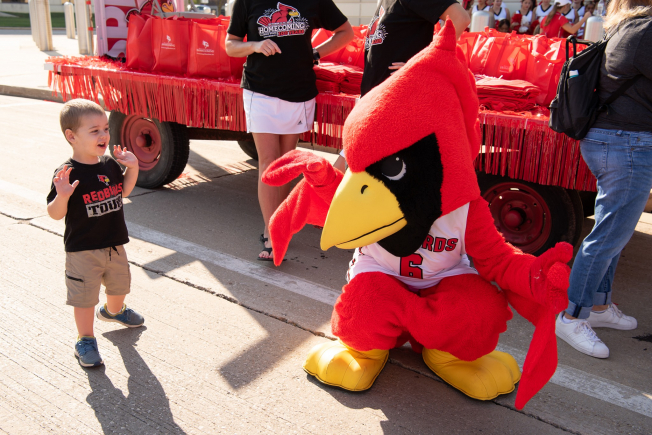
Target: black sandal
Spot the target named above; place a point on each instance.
(264, 240)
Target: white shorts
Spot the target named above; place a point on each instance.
(272, 115)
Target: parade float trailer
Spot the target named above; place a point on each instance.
(535, 180)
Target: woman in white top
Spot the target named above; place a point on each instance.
(500, 13)
(481, 6)
(569, 13)
(590, 8)
(524, 17)
(543, 9)
(578, 9)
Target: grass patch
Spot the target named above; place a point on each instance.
(22, 20)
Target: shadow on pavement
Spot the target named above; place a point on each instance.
(145, 409)
(416, 403)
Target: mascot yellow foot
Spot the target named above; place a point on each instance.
(336, 364)
(484, 379)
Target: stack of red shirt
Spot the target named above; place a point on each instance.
(335, 77)
(352, 81)
(324, 86)
(502, 95)
(330, 72)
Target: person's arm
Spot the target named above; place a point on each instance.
(516, 20)
(236, 47)
(573, 28)
(130, 161)
(643, 58)
(507, 13)
(58, 207)
(341, 36)
(460, 18)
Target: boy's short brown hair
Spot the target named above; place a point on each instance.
(73, 111)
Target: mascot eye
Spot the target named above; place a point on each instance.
(393, 168)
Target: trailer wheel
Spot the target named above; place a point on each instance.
(530, 216)
(249, 148)
(162, 148)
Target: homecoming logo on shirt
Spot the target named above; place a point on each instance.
(285, 20)
(377, 33)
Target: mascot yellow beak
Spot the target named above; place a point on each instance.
(363, 211)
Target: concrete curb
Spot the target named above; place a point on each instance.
(28, 28)
(38, 94)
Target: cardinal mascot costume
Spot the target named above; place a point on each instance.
(410, 206)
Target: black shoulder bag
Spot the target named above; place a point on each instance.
(576, 106)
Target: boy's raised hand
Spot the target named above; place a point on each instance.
(124, 157)
(62, 182)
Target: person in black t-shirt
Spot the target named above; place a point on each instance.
(398, 30)
(279, 84)
(95, 225)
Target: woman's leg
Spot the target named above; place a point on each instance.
(270, 147)
(622, 164)
(288, 143)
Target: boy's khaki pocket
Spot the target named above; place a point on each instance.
(83, 275)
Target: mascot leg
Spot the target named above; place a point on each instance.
(365, 320)
(470, 315)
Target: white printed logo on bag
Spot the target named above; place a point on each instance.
(285, 20)
(168, 45)
(206, 51)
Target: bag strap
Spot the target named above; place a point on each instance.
(618, 92)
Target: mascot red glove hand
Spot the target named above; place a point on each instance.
(549, 277)
(317, 170)
(308, 202)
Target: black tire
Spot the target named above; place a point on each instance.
(249, 148)
(559, 215)
(174, 150)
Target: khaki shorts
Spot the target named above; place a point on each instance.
(86, 270)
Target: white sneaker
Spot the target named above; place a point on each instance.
(612, 317)
(578, 333)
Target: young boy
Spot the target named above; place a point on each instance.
(95, 223)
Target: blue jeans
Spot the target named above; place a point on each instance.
(622, 163)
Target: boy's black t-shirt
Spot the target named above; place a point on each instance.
(399, 30)
(288, 75)
(95, 219)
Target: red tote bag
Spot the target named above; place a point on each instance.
(507, 58)
(170, 40)
(466, 44)
(544, 67)
(207, 55)
(139, 42)
(353, 53)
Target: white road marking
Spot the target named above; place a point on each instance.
(567, 377)
(593, 386)
(23, 192)
(248, 268)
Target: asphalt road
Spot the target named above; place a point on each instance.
(226, 335)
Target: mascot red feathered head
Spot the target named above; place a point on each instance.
(410, 145)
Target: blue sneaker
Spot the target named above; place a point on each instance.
(86, 351)
(126, 317)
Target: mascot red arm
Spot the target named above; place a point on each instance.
(411, 206)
